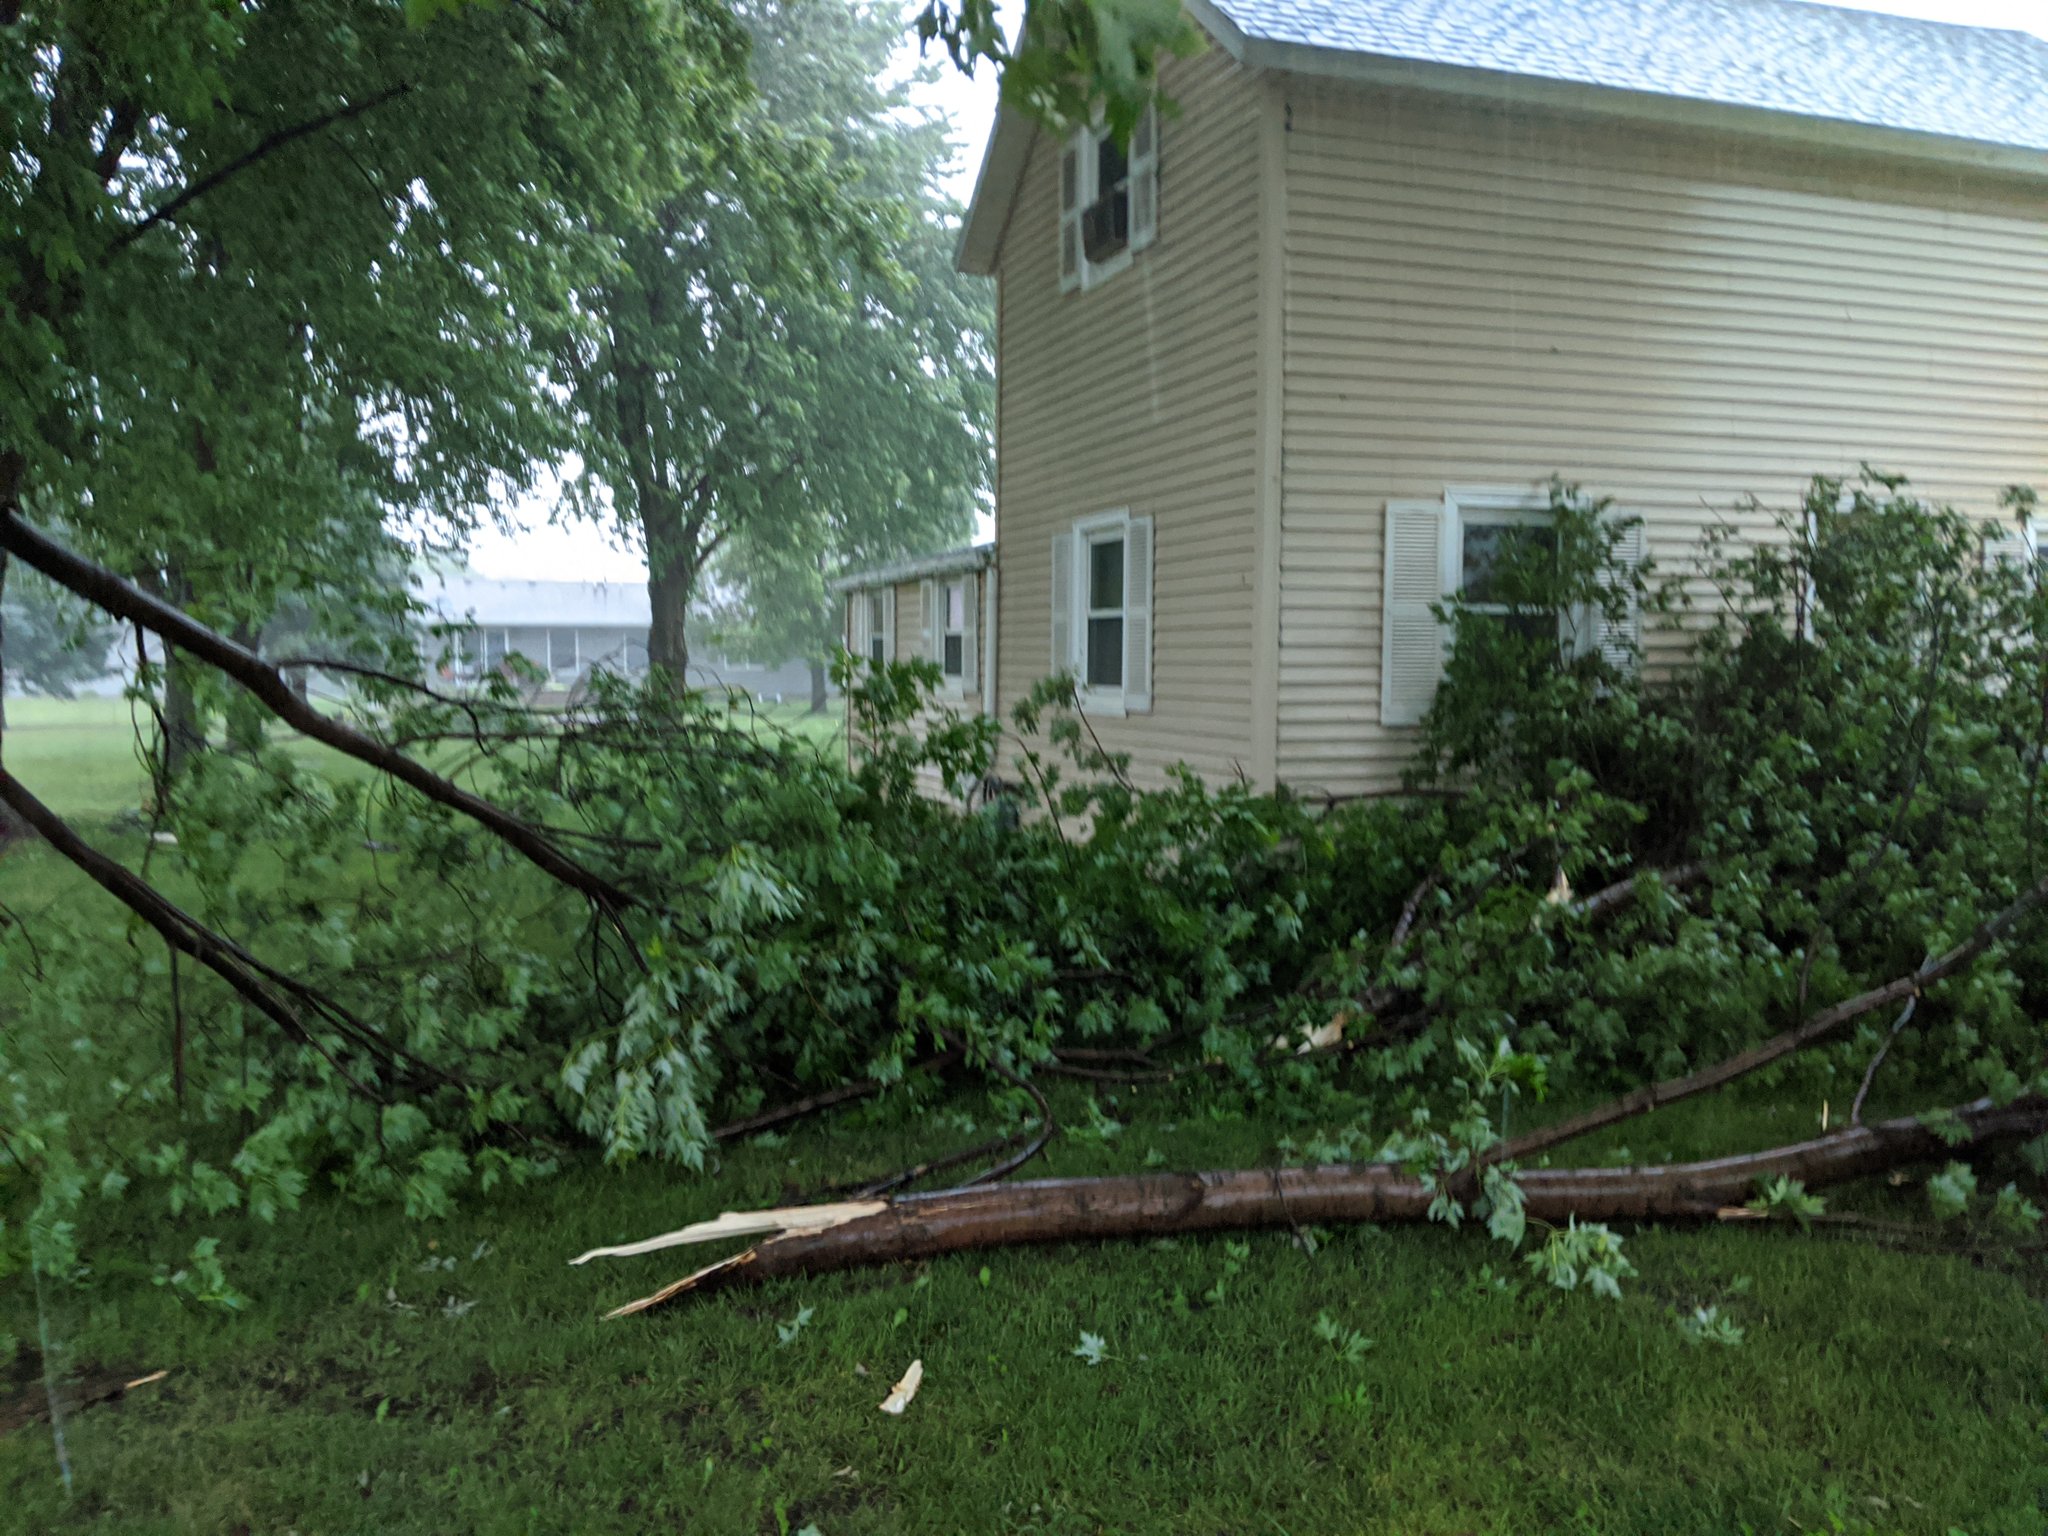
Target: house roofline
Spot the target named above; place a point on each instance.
(949, 562)
(1002, 165)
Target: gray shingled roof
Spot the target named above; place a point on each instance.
(1811, 60)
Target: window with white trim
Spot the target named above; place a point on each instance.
(1102, 610)
(878, 627)
(953, 631)
(1109, 201)
(947, 626)
(1461, 544)
(872, 625)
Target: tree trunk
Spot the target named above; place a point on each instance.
(670, 584)
(245, 729)
(184, 737)
(1168, 1204)
(820, 698)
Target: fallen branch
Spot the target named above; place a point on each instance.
(1815, 1028)
(846, 1093)
(101, 1387)
(1604, 901)
(1174, 1204)
(106, 590)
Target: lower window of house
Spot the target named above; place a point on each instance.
(1498, 563)
(953, 647)
(1105, 635)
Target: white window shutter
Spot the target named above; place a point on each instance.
(1138, 614)
(1144, 161)
(970, 601)
(2017, 545)
(888, 624)
(1411, 639)
(1062, 602)
(927, 620)
(1621, 641)
(1071, 159)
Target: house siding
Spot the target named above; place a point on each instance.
(1483, 294)
(910, 646)
(1142, 393)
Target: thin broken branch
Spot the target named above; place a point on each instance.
(1815, 1028)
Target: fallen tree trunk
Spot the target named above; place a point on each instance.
(1172, 1204)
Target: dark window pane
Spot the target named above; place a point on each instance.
(955, 647)
(1106, 574)
(1489, 548)
(1111, 166)
(875, 649)
(1106, 652)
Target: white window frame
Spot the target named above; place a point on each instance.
(956, 683)
(861, 622)
(1141, 178)
(1578, 629)
(1083, 535)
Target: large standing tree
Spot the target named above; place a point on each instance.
(785, 365)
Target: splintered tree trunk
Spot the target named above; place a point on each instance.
(1170, 1204)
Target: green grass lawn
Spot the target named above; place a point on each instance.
(454, 1376)
(80, 757)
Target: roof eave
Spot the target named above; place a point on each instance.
(995, 189)
(950, 562)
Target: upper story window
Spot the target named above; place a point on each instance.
(1102, 610)
(1109, 201)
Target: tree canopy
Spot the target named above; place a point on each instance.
(782, 357)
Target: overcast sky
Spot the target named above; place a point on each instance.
(582, 552)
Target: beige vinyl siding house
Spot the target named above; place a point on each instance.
(1135, 399)
(1405, 260)
(1482, 294)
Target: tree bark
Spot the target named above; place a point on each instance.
(1173, 1204)
(820, 697)
(671, 582)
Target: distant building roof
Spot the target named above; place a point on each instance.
(461, 598)
(1786, 68)
(967, 557)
